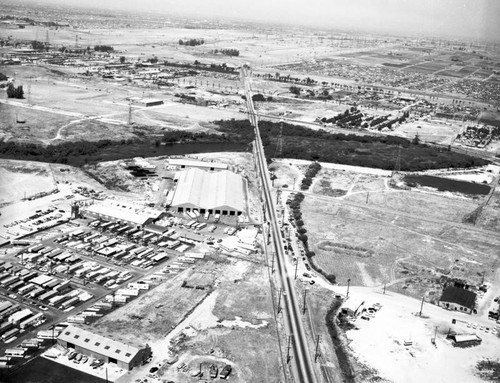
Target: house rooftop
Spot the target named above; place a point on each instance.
(462, 297)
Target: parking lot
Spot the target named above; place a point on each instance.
(76, 271)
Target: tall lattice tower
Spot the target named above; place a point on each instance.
(130, 113)
(279, 143)
(29, 92)
(47, 41)
(397, 165)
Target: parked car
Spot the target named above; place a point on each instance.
(224, 374)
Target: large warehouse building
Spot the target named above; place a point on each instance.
(118, 211)
(99, 346)
(222, 192)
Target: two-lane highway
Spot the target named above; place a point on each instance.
(302, 366)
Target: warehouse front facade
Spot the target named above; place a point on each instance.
(221, 192)
(101, 346)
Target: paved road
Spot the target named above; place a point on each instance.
(302, 366)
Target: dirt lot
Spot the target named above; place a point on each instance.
(371, 245)
(220, 325)
(20, 179)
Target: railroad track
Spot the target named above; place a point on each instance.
(302, 369)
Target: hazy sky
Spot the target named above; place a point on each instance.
(477, 19)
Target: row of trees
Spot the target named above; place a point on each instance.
(349, 149)
(52, 153)
(38, 45)
(222, 68)
(192, 42)
(294, 205)
(15, 92)
(104, 48)
(311, 172)
(227, 52)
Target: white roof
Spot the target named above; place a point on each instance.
(187, 162)
(493, 169)
(124, 212)
(223, 190)
(466, 338)
(41, 279)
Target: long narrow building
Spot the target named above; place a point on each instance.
(90, 342)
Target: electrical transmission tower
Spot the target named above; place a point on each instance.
(279, 143)
(130, 113)
(29, 92)
(397, 165)
(47, 41)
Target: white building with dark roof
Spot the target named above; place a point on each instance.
(124, 353)
(222, 192)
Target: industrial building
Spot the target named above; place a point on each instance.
(187, 163)
(121, 212)
(222, 192)
(459, 299)
(102, 346)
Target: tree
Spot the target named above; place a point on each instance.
(122, 59)
(13, 92)
(416, 140)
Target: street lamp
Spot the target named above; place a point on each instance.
(348, 285)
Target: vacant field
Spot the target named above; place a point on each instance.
(419, 203)
(152, 315)
(19, 179)
(441, 133)
(370, 246)
(242, 331)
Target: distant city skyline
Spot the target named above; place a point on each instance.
(473, 19)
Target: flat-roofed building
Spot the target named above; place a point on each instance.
(221, 192)
(122, 212)
(186, 163)
(124, 353)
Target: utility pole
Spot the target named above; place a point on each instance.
(421, 307)
(348, 285)
(296, 267)
(305, 303)
(279, 300)
(279, 143)
(317, 353)
(288, 357)
(272, 262)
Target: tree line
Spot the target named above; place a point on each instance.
(311, 172)
(348, 149)
(191, 42)
(104, 48)
(227, 52)
(15, 92)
